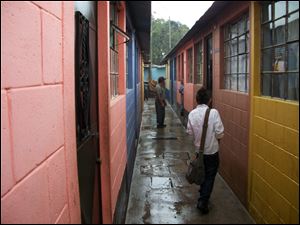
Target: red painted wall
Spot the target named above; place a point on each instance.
(234, 108)
(39, 182)
(188, 96)
(112, 115)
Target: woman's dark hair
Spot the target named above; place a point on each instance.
(202, 96)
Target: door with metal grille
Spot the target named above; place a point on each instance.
(86, 90)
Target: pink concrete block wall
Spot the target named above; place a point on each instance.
(57, 184)
(20, 45)
(7, 179)
(112, 116)
(233, 106)
(117, 123)
(104, 98)
(38, 141)
(29, 200)
(69, 112)
(37, 125)
(188, 96)
(52, 48)
(118, 147)
(234, 111)
(64, 217)
(51, 6)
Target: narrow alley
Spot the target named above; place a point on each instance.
(85, 89)
(160, 193)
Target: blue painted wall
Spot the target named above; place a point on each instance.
(156, 73)
(173, 83)
(133, 104)
(171, 92)
(146, 73)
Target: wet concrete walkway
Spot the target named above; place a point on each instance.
(159, 192)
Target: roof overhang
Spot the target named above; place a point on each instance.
(208, 16)
(140, 13)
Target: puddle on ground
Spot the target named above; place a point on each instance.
(177, 155)
(155, 170)
(164, 138)
(161, 182)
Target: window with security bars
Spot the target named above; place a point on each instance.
(236, 55)
(280, 49)
(190, 65)
(114, 57)
(127, 66)
(180, 67)
(198, 63)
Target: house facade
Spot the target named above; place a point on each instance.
(246, 54)
(67, 143)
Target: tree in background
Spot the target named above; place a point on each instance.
(160, 37)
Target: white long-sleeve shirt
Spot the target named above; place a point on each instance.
(215, 129)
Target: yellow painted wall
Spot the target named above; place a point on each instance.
(274, 147)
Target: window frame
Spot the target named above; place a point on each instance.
(114, 55)
(272, 47)
(246, 53)
(128, 65)
(190, 65)
(115, 21)
(198, 44)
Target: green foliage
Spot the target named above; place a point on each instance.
(160, 37)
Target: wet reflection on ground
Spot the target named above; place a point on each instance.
(159, 191)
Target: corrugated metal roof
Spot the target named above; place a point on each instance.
(208, 15)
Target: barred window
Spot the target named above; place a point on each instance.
(180, 67)
(280, 49)
(114, 73)
(198, 63)
(114, 57)
(190, 65)
(128, 83)
(236, 55)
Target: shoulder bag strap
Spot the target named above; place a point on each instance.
(204, 129)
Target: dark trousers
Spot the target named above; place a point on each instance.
(160, 113)
(182, 106)
(211, 165)
(146, 94)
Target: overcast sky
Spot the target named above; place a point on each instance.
(186, 12)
